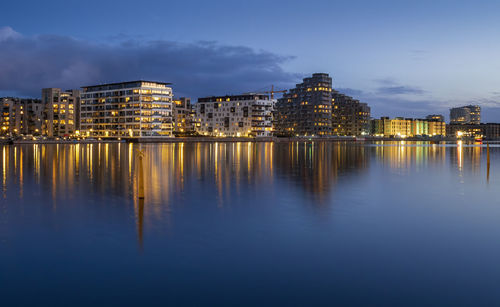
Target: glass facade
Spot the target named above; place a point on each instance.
(130, 109)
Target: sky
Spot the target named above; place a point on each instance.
(403, 58)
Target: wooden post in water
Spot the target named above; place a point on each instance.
(140, 174)
(488, 161)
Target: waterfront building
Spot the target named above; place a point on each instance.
(183, 117)
(407, 127)
(235, 116)
(419, 127)
(127, 109)
(399, 126)
(20, 116)
(437, 127)
(306, 110)
(470, 114)
(490, 131)
(349, 116)
(61, 112)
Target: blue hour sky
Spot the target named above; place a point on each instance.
(404, 58)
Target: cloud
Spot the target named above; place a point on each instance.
(8, 33)
(27, 64)
(399, 90)
(350, 91)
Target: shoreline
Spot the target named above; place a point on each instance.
(243, 139)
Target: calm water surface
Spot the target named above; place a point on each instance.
(250, 224)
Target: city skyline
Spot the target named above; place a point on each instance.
(408, 60)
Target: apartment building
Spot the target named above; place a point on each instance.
(183, 117)
(132, 109)
(407, 127)
(61, 112)
(20, 116)
(248, 115)
(307, 108)
(470, 114)
(349, 115)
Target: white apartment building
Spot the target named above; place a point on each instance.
(128, 109)
(248, 115)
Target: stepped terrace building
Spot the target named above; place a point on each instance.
(349, 116)
(306, 109)
(129, 109)
(61, 112)
(248, 115)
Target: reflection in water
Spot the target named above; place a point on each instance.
(107, 170)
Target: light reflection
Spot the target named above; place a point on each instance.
(171, 170)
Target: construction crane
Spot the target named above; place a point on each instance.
(272, 92)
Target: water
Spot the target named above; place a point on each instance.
(250, 224)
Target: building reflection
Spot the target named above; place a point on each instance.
(406, 157)
(317, 166)
(225, 171)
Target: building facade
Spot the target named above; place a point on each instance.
(129, 109)
(61, 112)
(437, 127)
(249, 115)
(407, 127)
(183, 117)
(21, 116)
(466, 115)
(349, 116)
(489, 131)
(306, 110)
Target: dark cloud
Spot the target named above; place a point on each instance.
(28, 64)
(400, 90)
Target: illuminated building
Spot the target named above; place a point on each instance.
(489, 131)
(61, 112)
(128, 109)
(239, 115)
(21, 116)
(407, 127)
(307, 108)
(465, 115)
(183, 117)
(349, 116)
(437, 127)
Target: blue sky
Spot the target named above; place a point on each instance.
(406, 58)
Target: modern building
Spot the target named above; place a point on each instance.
(127, 109)
(470, 114)
(437, 127)
(306, 110)
(407, 127)
(349, 116)
(61, 112)
(21, 116)
(490, 131)
(248, 115)
(183, 116)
